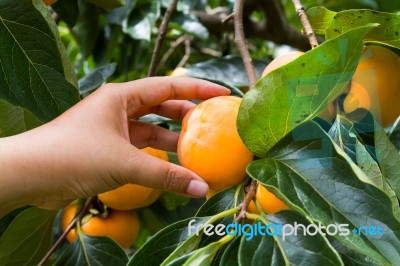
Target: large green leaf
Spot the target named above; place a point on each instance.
(346, 136)
(388, 159)
(171, 242)
(14, 119)
(27, 238)
(204, 255)
(230, 256)
(92, 251)
(294, 249)
(229, 69)
(333, 24)
(298, 91)
(317, 178)
(34, 70)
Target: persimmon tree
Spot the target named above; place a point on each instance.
(332, 175)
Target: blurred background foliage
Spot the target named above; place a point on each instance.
(97, 35)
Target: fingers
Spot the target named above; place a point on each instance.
(174, 109)
(156, 90)
(163, 175)
(144, 134)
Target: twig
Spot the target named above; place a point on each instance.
(252, 188)
(208, 51)
(241, 43)
(71, 226)
(171, 50)
(228, 18)
(160, 37)
(185, 58)
(305, 22)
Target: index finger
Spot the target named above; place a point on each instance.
(156, 90)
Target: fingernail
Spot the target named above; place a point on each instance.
(197, 188)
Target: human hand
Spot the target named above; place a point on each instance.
(95, 145)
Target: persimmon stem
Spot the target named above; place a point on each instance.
(251, 191)
(71, 226)
(241, 43)
(160, 38)
(306, 23)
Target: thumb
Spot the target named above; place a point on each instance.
(146, 170)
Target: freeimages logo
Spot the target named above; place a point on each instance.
(281, 230)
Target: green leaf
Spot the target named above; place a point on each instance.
(343, 134)
(86, 29)
(171, 201)
(294, 249)
(387, 32)
(222, 201)
(316, 177)
(298, 91)
(320, 18)
(15, 120)
(230, 256)
(8, 218)
(141, 20)
(68, 10)
(108, 4)
(349, 137)
(92, 251)
(228, 69)
(205, 255)
(34, 70)
(394, 134)
(190, 24)
(168, 244)
(350, 257)
(28, 237)
(388, 159)
(96, 78)
(333, 24)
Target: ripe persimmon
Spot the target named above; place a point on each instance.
(210, 145)
(132, 196)
(121, 226)
(267, 201)
(377, 78)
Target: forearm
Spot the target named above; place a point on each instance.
(13, 176)
(27, 174)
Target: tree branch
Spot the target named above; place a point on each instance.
(305, 22)
(276, 28)
(71, 226)
(160, 38)
(240, 41)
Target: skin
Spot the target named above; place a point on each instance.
(95, 146)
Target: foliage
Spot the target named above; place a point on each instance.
(328, 174)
